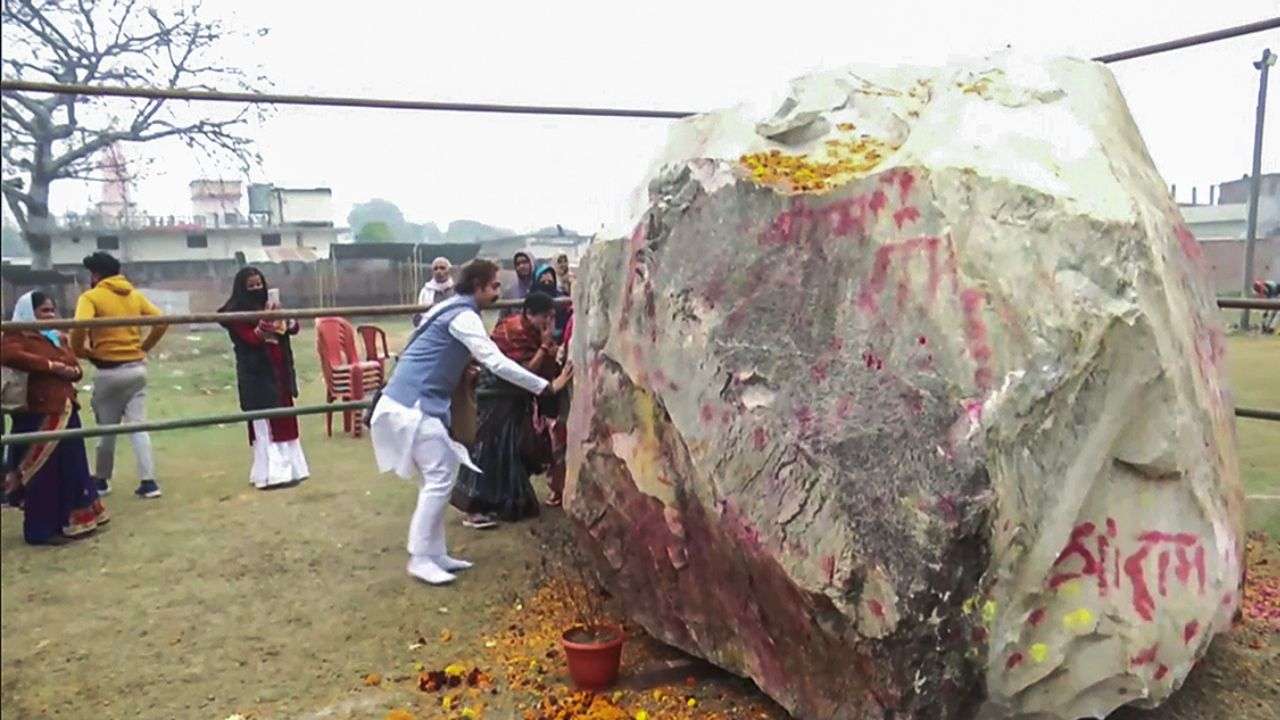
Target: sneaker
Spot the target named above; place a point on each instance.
(147, 489)
(104, 487)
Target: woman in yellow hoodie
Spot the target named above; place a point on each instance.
(120, 355)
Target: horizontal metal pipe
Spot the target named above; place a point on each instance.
(226, 418)
(185, 423)
(180, 423)
(332, 101)
(1251, 303)
(215, 317)
(1186, 42)
(367, 311)
(1257, 414)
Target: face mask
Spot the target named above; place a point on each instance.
(259, 296)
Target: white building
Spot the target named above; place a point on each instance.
(295, 225)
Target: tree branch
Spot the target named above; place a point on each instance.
(16, 199)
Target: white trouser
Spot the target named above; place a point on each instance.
(437, 465)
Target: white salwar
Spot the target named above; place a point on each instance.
(411, 444)
(275, 463)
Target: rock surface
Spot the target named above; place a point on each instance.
(906, 400)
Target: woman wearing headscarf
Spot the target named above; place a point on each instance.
(49, 480)
(266, 379)
(505, 417)
(546, 282)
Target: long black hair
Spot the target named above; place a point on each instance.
(241, 300)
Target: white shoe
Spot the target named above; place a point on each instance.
(427, 571)
(452, 564)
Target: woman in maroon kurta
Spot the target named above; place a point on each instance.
(265, 378)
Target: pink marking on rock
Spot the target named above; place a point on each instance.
(1184, 566)
(1190, 246)
(829, 567)
(1143, 603)
(905, 215)
(1162, 573)
(947, 506)
(1145, 657)
(707, 413)
(973, 411)
(1189, 632)
(1103, 544)
(844, 407)
(1156, 536)
(1161, 672)
(758, 438)
(1111, 527)
(975, 331)
(905, 182)
(868, 296)
(1036, 617)
(922, 340)
(819, 371)
(1014, 661)
(876, 608)
(878, 201)
(804, 419)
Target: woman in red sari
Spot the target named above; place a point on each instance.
(49, 480)
(506, 415)
(266, 379)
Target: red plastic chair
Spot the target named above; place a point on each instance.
(375, 347)
(346, 375)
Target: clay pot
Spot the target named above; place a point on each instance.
(594, 654)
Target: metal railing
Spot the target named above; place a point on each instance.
(216, 317)
(304, 313)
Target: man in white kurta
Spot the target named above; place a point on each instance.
(410, 425)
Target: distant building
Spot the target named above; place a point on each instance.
(295, 225)
(540, 246)
(1222, 226)
(1227, 219)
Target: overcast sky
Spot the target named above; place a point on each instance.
(1195, 107)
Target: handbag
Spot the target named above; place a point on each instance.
(537, 451)
(13, 389)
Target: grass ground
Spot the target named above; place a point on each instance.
(218, 599)
(1254, 367)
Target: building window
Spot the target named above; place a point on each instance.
(231, 218)
(197, 241)
(75, 239)
(108, 242)
(270, 239)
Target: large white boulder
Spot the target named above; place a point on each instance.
(905, 398)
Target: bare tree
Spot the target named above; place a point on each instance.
(116, 42)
